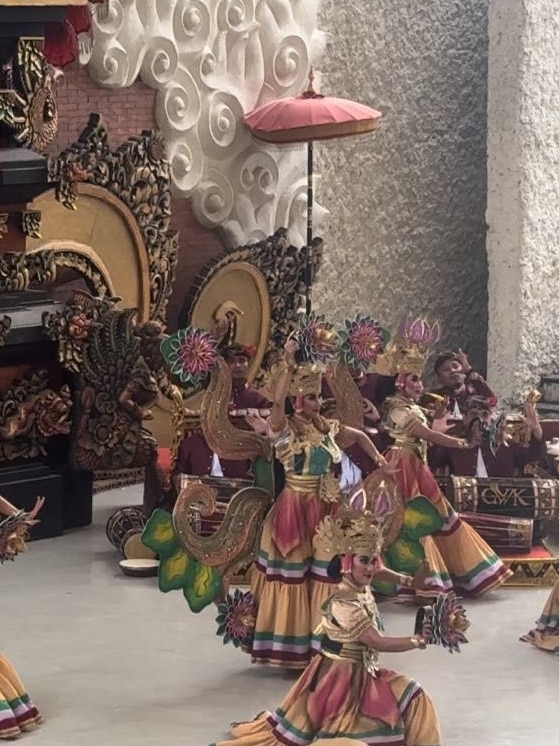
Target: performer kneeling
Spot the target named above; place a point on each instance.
(344, 692)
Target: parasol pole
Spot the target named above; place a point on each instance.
(309, 267)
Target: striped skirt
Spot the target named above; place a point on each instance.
(458, 557)
(289, 581)
(17, 713)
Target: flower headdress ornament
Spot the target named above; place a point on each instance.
(362, 340)
(191, 354)
(318, 345)
(409, 348)
(317, 339)
(443, 623)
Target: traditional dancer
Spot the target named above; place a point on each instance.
(17, 713)
(429, 529)
(545, 634)
(289, 580)
(344, 692)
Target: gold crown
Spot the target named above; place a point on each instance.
(350, 533)
(306, 379)
(400, 359)
(408, 350)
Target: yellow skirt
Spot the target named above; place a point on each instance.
(545, 635)
(17, 713)
(291, 585)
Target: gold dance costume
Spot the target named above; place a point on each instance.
(344, 692)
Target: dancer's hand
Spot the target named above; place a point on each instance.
(31, 517)
(290, 348)
(257, 423)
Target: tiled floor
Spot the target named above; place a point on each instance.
(110, 660)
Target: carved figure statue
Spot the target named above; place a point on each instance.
(31, 412)
(116, 390)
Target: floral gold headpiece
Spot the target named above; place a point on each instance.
(409, 348)
(350, 533)
(306, 379)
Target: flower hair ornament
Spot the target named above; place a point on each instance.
(318, 345)
(409, 348)
(443, 623)
(362, 340)
(190, 354)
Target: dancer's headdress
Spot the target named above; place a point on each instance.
(350, 532)
(318, 342)
(362, 340)
(408, 350)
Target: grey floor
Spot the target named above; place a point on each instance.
(110, 660)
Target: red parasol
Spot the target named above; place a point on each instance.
(305, 118)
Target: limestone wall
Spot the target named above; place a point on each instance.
(523, 198)
(407, 225)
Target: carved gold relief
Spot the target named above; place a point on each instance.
(18, 270)
(283, 268)
(349, 404)
(31, 223)
(3, 224)
(31, 412)
(5, 326)
(234, 544)
(27, 103)
(137, 173)
(222, 436)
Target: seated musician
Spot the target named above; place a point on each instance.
(458, 382)
(482, 459)
(248, 408)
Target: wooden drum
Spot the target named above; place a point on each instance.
(505, 535)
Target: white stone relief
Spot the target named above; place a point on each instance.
(210, 62)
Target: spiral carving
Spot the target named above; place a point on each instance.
(210, 62)
(160, 62)
(290, 63)
(192, 24)
(224, 438)
(235, 542)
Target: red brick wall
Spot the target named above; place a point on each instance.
(126, 112)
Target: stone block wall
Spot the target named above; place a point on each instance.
(407, 224)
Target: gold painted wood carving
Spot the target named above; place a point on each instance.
(31, 412)
(234, 303)
(349, 404)
(5, 326)
(222, 436)
(27, 102)
(138, 174)
(234, 545)
(283, 267)
(19, 270)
